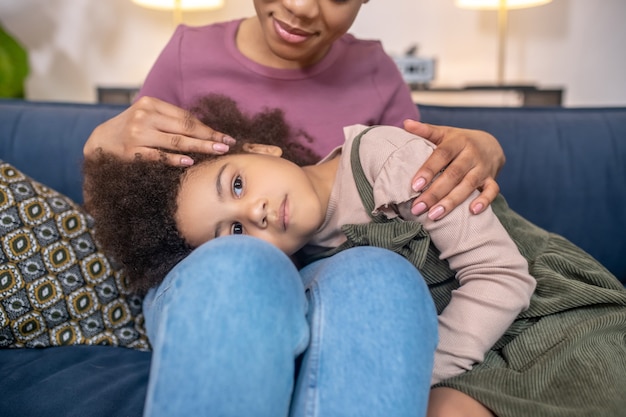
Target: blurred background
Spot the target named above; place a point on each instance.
(76, 46)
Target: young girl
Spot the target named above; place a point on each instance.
(257, 336)
(515, 353)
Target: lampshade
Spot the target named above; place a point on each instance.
(186, 5)
(178, 6)
(495, 4)
(502, 6)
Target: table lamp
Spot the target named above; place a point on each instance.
(178, 6)
(502, 6)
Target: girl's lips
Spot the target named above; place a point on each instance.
(284, 214)
(290, 34)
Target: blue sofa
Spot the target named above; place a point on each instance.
(565, 171)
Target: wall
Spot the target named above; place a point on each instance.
(76, 45)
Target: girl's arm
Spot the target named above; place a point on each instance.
(495, 285)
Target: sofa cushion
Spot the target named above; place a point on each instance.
(56, 285)
(76, 381)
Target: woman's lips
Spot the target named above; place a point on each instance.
(290, 34)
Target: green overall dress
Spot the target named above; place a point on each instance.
(564, 356)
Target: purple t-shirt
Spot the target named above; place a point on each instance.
(355, 83)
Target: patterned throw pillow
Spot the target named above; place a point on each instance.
(56, 286)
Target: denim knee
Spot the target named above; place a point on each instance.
(229, 271)
(227, 323)
(373, 324)
(376, 269)
(373, 283)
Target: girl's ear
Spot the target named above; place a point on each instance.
(263, 149)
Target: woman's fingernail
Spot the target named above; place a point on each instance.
(435, 213)
(229, 141)
(419, 184)
(186, 161)
(220, 147)
(419, 208)
(477, 208)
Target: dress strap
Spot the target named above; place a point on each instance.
(362, 184)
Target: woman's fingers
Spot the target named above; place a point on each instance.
(183, 125)
(440, 158)
(157, 124)
(464, 160)
(155, 129)
(489, 192)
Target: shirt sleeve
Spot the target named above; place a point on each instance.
(164, 79)
(495, 284)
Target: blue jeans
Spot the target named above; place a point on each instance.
(237, 331)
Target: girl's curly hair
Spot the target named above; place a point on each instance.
(134, 202)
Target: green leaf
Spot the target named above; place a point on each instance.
(13, 66)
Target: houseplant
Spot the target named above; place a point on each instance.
(13, 66)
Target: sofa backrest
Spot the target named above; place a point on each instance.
(565, 170)
(45, 140)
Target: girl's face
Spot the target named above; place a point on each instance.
(302, 31)
(256, 194)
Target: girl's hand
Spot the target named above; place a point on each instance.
(448, 402)
(155, 129)
(471, 158)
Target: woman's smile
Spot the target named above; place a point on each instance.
(296, 34)
(290, 34)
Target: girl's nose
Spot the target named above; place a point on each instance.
(302, 8)
(257, 213)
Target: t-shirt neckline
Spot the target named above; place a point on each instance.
(336, 50)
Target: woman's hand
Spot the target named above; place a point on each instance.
(471, 158)
(448, 402)
(156, 129)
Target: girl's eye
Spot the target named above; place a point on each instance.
(236, 229)
(237, 186)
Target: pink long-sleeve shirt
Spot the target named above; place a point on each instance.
(495, 284)
(356, 82)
